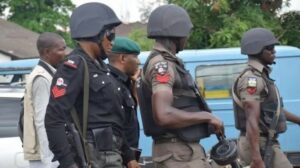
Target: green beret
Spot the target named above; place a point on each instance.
(123, 45)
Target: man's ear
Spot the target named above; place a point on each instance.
(123, 58)
(46, 52)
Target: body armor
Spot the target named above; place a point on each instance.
(192, 104)
(268, 109)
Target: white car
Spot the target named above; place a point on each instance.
(12, 77)
(11, 151)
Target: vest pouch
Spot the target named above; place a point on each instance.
(239, 118)
(103, 138)
(195, 132)
(269, 110)
(281, 126)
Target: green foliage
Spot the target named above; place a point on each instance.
(221, 23)
(41, 15)
(290, 24)
(140, 36)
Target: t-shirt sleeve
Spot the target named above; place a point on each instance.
(251, 88)
(161, 74)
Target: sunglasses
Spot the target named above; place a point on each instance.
(270, 47)
(110, 34)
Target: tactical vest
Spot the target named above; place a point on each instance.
(180, 100)
(268, 108)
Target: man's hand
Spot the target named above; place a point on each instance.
(133, 164)
(136, 75)
(218, 125)
(259, 163)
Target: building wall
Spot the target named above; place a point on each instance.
(4, 57)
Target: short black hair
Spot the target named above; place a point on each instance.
(112, 58)
(47, 40)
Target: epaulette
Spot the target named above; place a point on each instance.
(72, 62)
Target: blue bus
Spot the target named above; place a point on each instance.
(214, 71)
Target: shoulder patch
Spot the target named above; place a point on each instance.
(162, 74)
(59, 89)
(251, 85)
(161, 67)
(252, 82)
(70, 63)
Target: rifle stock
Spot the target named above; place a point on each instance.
(268, 152)
(77, 146)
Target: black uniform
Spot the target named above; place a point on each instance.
(131, 128)
(105, 103)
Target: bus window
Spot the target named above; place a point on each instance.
(215, 81)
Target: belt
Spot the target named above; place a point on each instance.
(116, 140)
(167, 140)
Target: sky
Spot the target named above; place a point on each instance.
(128, 10)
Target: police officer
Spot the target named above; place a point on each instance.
(124, 66)
(93, 27)
(256, 101)
(172, 112)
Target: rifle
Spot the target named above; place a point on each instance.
(75, 141)
(203, 105)
(268, 152)
(79, 135)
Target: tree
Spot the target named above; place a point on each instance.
(41, 15)
(221, 23)
(140, 36)
(290, 24)
(147, 7)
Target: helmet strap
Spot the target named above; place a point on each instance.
(102, 55)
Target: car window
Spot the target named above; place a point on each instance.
(13, 80)
(215, 81)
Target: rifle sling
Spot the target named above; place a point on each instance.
(74, 114)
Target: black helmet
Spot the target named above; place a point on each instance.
(169, 21)
(224, 152)
(254, 40)
(89, 19)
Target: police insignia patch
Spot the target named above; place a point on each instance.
(162, 75)
(252, 82)
(60, 82)
(59, 89)
(251, 85)
(161, 67)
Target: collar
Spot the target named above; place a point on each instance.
(98, 62)
(259, 66)
(50, 66)
(159, 47)
(118, 74)
(169, 55)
